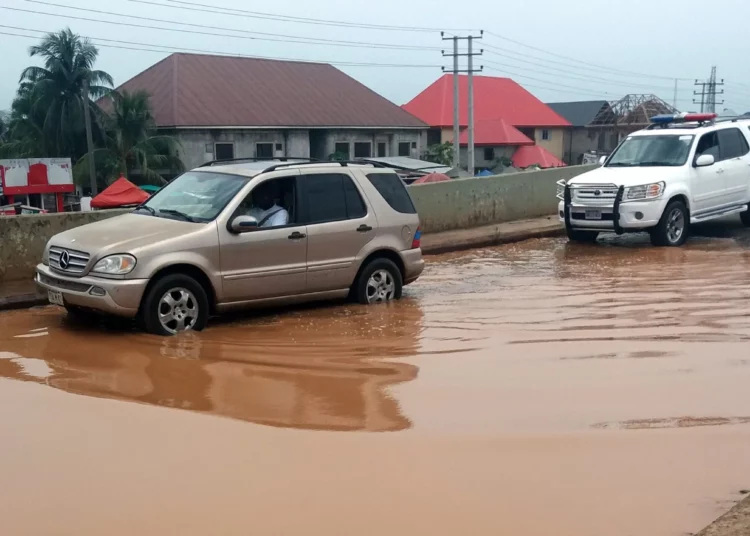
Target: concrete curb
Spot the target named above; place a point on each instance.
(736, 522)
(491, 235)
(22, 301)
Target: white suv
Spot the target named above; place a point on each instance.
(682, 169)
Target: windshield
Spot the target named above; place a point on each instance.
(666, 150)
(194, 196)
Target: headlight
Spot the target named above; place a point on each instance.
(644, 191)
(115, 265)
(560, 189)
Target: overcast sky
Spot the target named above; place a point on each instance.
(574, 50)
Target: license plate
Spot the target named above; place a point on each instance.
(55, 297)
(593, 214)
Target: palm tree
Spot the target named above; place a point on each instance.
(58, 89)
(131, 144)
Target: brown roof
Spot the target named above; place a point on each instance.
(195, 90)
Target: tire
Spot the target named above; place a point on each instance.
(664, 234)
(745, 217)
(379, 281)
(583, 237)
(189, 305)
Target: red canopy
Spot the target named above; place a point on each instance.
(533, 154)
(120, 193)
(432, 177)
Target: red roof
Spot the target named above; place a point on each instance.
(533, 154)
(495, 132)
(494, 98)
(120, 193)
(196, 90)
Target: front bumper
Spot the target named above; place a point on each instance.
(614, 216)
(121, 297)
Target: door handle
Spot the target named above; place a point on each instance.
(296, 235)
(364, 228)
(720, 170)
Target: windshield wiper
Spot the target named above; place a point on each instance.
(177, 213)
(619, 164)
(655, 164)
(151, 210)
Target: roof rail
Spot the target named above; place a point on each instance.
(258, 159)
(733, 119)
(342, 163)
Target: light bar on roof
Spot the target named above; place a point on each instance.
(682, 118)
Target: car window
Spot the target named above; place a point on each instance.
(271, 203)
(708, 144)
(392, 188)
(331, 197)
(732, 143)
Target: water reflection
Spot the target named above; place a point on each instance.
(322, 369)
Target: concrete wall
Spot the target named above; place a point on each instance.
(22, 238)
(466, 203)
(581, 140)
(442, 206)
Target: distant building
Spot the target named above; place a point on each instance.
(584, 136)
(506, 117)
(223, 107)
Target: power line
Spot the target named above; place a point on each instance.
(578, 61)
(140, 46)
(518, 75)
(286, 39)
(205, 8)
(584, 78)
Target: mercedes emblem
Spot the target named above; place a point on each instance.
(64, 260)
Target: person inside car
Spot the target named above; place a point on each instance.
(265, 208)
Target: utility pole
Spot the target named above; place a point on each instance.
(674, 100)
(89, 137)
(456, 108)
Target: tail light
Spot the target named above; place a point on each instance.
(417, 239)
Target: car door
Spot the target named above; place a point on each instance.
(339, 224)
(708, 184)
(269, 262)
(734, 158)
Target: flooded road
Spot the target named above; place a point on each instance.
(532, 389)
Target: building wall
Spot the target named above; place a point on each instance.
(555, 143)
(198, 145)
(417, 140)
(480, 161)
(581, 140)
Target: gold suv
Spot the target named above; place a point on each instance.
(232, 234)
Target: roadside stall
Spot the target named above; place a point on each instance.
(36, 183)
(121, 193)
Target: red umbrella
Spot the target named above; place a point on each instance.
(432, 177)
(120, 193)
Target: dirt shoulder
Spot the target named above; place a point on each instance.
(736, 522)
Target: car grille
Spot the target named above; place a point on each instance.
(68, 260)
(65, 285)
(603, 193)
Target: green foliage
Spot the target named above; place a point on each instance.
(338, 157)
(47, 117)
(441, 153)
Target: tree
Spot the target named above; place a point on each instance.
(441, 153)
(53, 94)
(131, 144)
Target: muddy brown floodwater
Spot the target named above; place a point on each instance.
(534, 389)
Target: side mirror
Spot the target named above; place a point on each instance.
(243, 224)
(602, 160)
(705, 160)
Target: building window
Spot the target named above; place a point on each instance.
(489, 154)
(404, 148)
(224, 151)
(362, 149)
(279, 147)
(545, 134)
(341, 150)
(264, 150)
(382, 149)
